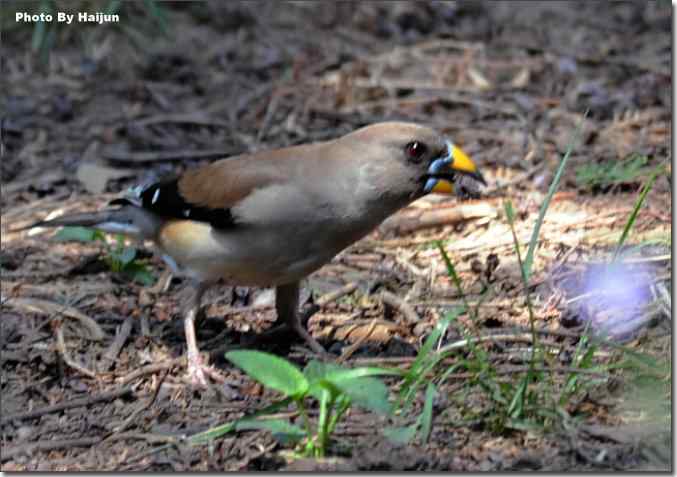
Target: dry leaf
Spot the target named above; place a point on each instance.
(94, 176)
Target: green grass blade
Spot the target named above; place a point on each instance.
(369, 393)
(40, 28)
(510, 215)
(112, 7)
(157, 12)
(427, 414)
(400, 435)
(425, 350)
(633, 216)
(424, 362)
(529, 259)
(339, 375)
(516, 407)
(451, 270)
(282, 430)
(218, 431)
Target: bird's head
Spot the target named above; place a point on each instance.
(409, 160)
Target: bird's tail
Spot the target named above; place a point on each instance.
(128, 220)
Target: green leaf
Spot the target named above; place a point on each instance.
(337, 375)
(126, 256)
(400, 435)
(316, 373)
(612, 172)
(524, 425)
(271, 371)
(76, 234)
(318, 370)
(327, 376)
(517, 404)
(369, 393)
(140, 273)
(282, 430)
(427, 413)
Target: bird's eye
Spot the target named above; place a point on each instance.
(416, 150)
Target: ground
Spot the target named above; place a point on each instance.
(91, 359)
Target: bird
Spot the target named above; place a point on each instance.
(271, 218)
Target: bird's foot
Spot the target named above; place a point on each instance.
(198, 372)
(312, 343)
(286, 329)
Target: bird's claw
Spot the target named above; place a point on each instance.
(198, 373)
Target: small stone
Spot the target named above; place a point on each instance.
(24, 432)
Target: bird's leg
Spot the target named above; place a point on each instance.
(286, 303)
(163, 283)
(195, 367)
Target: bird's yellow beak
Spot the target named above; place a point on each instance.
(442, 171)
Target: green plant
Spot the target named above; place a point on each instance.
(334, 388)
(611, 173)
(119, 258)
(554, 185)
(526, 398)
(414, 379)
(633, 216)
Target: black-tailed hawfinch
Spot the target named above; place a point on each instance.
(271, 218)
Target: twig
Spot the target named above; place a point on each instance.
(113, 350)
(520, 178)
(411, 268)
(150, 369)
(330, 297)
(61, 347)
(270, 113)
(36, 305)
(119, 156)
(405, 308)
(414, 220)
(524, 337)
(353, 347)
(631, 261)
(527, 368)
(150, 438)
(78, 402)
(35, 274)
(197, 118)
(405, 360)
(132, 417)
(33, 447)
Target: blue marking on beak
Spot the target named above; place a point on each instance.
(430, 185)
(440, 165)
